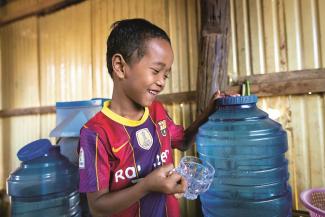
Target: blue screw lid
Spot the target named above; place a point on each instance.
(35, 149)
(237, 100)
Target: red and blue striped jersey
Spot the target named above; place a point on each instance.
(115, 150)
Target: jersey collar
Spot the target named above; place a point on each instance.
(122, 120)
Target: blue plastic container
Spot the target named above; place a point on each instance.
(45, 184)
(247, 150)
(279, 206)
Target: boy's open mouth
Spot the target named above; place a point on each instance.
(153, 92)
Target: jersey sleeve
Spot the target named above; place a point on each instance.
(94, 167)
(176, 133)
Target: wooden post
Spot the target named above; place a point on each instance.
(212, 69)
(212, 72)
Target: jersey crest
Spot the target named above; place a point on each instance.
(144, 138)
(163, 127)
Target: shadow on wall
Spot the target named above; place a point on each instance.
(7, 158)
(4, 204)
(3, 2)
(4, 199)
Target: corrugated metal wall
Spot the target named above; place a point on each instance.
(61, 57)
(1, 133)
(20, 85)
(282, 35)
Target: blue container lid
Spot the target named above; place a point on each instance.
(237, 100)
(34, 150)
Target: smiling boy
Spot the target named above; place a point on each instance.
(132, 137)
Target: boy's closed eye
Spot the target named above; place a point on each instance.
(167, 73)
(155, 71)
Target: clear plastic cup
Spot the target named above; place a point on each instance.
(198, 175)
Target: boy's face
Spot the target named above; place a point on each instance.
(146, 78)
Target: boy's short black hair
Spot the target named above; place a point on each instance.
(130, 36)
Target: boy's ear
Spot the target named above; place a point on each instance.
(118, 64)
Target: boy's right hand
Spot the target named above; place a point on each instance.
(161, 180)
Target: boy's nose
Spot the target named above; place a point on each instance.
(161, 82)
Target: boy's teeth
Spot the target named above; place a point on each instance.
(152, 92)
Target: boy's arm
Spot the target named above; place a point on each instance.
(104, 203)
(191, 131)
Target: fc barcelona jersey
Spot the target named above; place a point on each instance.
(115, 151)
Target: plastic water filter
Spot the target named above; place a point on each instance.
(70, 117)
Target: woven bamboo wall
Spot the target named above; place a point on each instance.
(61, 57)
(284, 35)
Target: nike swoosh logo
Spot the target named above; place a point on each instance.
(115, 150)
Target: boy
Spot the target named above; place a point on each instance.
(125, 157)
